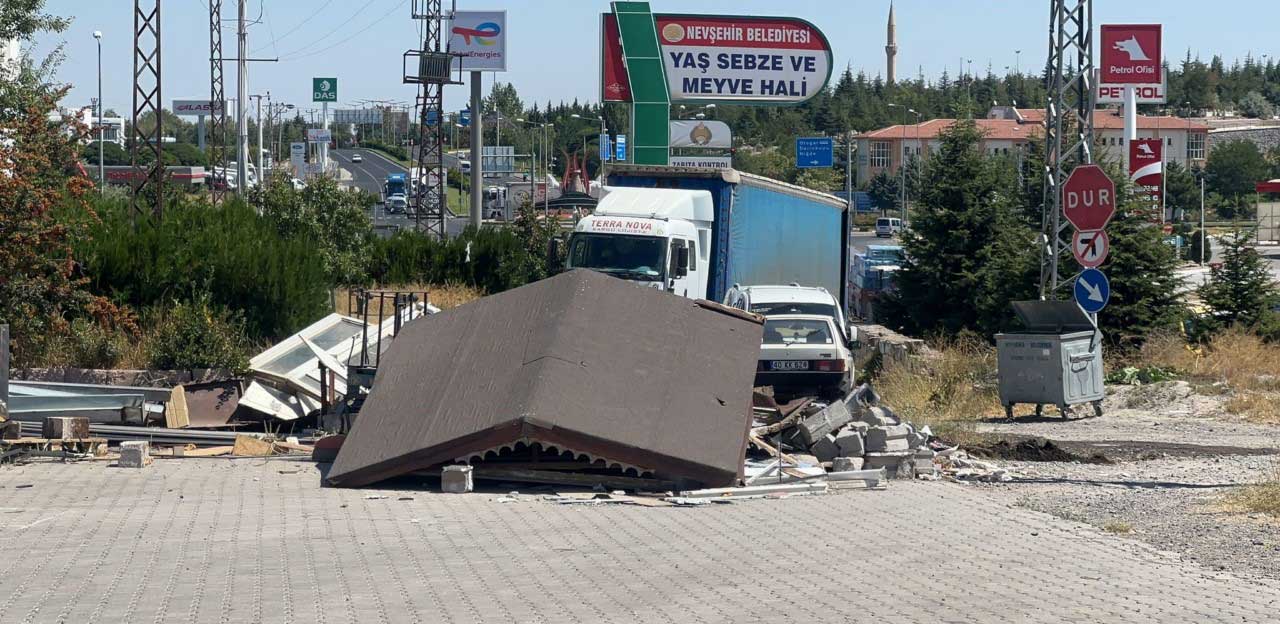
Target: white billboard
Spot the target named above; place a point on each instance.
(479, 38)
(700, 133)
(196, 108)
(319, 135)
(1146, 93)
(298, 157)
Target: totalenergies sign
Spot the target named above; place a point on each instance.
(479, 40)
(736, 59)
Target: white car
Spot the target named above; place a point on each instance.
(802, 352)
(768, 300)
(356, 158)
(397, 203)
(888, 227)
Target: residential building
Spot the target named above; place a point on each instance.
(112, 127)
(1009, 130)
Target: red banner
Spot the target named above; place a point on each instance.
(614, 84)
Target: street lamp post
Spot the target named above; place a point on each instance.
(102, 180)
(603, 131)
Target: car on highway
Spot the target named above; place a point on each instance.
(397, 203)
(356, 158)
(804, 352)
(888, 227)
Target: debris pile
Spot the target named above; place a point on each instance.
(851, 433)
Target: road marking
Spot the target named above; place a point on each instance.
(42, 520)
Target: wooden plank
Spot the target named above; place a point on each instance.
(289, 446)
(250, 446)
(176, 415)
(212, 451)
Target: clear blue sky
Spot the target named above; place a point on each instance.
(554, 43)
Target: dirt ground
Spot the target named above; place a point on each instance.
(1158, 466)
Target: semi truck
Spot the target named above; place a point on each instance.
(395, 192)
(698, 232)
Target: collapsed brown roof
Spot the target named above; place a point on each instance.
(582, 362)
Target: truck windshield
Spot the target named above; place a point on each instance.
(627, 257)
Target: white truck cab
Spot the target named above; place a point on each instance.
(659, 237)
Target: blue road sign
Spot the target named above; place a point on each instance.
(814, 152)
(1093, 291)
(621, 145)
(464, 118)
(432, 118)
(606, 148)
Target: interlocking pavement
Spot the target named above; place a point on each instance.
(258, 540)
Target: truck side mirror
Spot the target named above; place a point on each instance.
(682, 261)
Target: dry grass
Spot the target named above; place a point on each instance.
(442, 296)
(1235, 362)
(950, 392)
(1260, 498)
(1117, 527)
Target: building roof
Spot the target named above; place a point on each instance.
(1028, 124)
(994, 129)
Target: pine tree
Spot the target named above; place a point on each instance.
(1241, 291)
(1142, 269)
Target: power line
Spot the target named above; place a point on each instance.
(384, 16)
(302, 51)
(298, 25)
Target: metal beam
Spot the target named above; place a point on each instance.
(147, 181)
(217, 118)
(429, 200)
(1068, 126)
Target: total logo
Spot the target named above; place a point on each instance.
(484, 33)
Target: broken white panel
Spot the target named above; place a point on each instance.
(272, 402)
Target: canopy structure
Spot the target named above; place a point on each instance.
(582, 362)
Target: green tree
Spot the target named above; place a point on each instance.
(1256, 106)
(1181, 190)
(885, 190)
(1142, 269)
(112, 154)
(1232, 170)
(1241, 291)
(968, 252)
(333, 220)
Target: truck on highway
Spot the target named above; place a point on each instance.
(395, 192)
(698, 232)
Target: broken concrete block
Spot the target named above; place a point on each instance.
(859, 426)
(65, 427)
(134, 454)
(916, 439)
(889, 438)
(825, 448)
(845, 464)
(825, 421)
(891, 461)
(456, 480)
(880, 417)
(850, 443)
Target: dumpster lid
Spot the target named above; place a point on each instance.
(1053, 317)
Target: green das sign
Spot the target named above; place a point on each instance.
(324, 89)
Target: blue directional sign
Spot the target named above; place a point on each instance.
(1093, 291)
(606, 148)
(621, 144)
(464, 118)
(814, 152)
(432, 118)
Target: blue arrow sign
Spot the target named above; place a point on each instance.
(814, 152)
(464, 119)
(1093, 291)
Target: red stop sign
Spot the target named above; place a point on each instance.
(1088, 198)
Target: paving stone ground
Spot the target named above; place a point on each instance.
(257, 540)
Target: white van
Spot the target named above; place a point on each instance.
(888, 226)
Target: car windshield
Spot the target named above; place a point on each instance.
(628, 257)
(774, 309)
(796, 331)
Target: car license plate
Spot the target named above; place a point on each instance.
(789, 365)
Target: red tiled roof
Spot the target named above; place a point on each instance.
(993, 129)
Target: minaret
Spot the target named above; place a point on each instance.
(891, 49)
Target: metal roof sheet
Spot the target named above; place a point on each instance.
(581, 361)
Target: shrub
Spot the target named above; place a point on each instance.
(490, 259)
(197, 334)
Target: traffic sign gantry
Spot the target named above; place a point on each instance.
(1092, 291)
(1090, 248)
(1088, 198)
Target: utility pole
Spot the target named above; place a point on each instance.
(1201, 220)
(217, 98)
(259, 114)
(477, 146)
(242, 90)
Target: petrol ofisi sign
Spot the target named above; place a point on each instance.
(1130, 54)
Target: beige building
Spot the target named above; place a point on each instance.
(1009, 130)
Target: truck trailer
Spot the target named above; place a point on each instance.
(697, 232)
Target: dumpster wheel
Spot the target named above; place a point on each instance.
(1097, 408)
(1039, 410)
